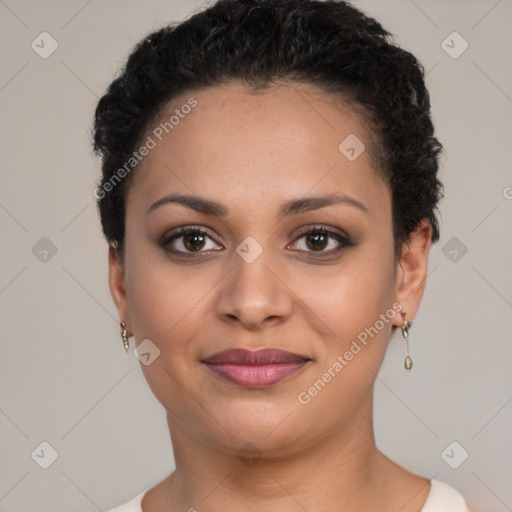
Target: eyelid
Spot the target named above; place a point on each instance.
(183, 230)
(331, 230)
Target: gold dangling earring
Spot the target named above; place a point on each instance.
(124, 336)
(405, 333)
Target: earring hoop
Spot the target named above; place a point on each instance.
(124, 337)
(405, 333)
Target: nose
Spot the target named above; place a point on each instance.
(254, 294)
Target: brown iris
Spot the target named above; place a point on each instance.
(316, 240)
(193, 241)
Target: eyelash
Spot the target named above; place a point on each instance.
(180, 232)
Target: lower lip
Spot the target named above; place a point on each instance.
(255, 376)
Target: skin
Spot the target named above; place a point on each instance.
(252, 153)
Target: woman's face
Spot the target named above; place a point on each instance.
(249, 277)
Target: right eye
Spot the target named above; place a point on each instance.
(189, 240)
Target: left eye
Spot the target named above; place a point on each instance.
(321, 240)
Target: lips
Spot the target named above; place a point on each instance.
(255, 369)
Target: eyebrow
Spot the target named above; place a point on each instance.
(293, 207)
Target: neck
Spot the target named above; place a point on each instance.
(343, 470)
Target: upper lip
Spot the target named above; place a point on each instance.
(255, 357)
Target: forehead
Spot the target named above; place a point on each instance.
(288, 139)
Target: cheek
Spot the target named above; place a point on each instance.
(160, 295)
(358, 308)
(169, 305)
(165, 307)
(353, 296)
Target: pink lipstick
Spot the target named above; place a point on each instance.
(255, 369)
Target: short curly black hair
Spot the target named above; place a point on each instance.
(329, 44)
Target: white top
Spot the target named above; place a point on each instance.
(442, 498)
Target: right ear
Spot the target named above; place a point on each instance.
(116, 285)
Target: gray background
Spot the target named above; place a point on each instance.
(64, 376)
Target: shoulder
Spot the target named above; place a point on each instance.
(134, 505)
(444, 498)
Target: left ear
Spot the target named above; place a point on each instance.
(411, 272)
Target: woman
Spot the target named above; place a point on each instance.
(269, 196)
